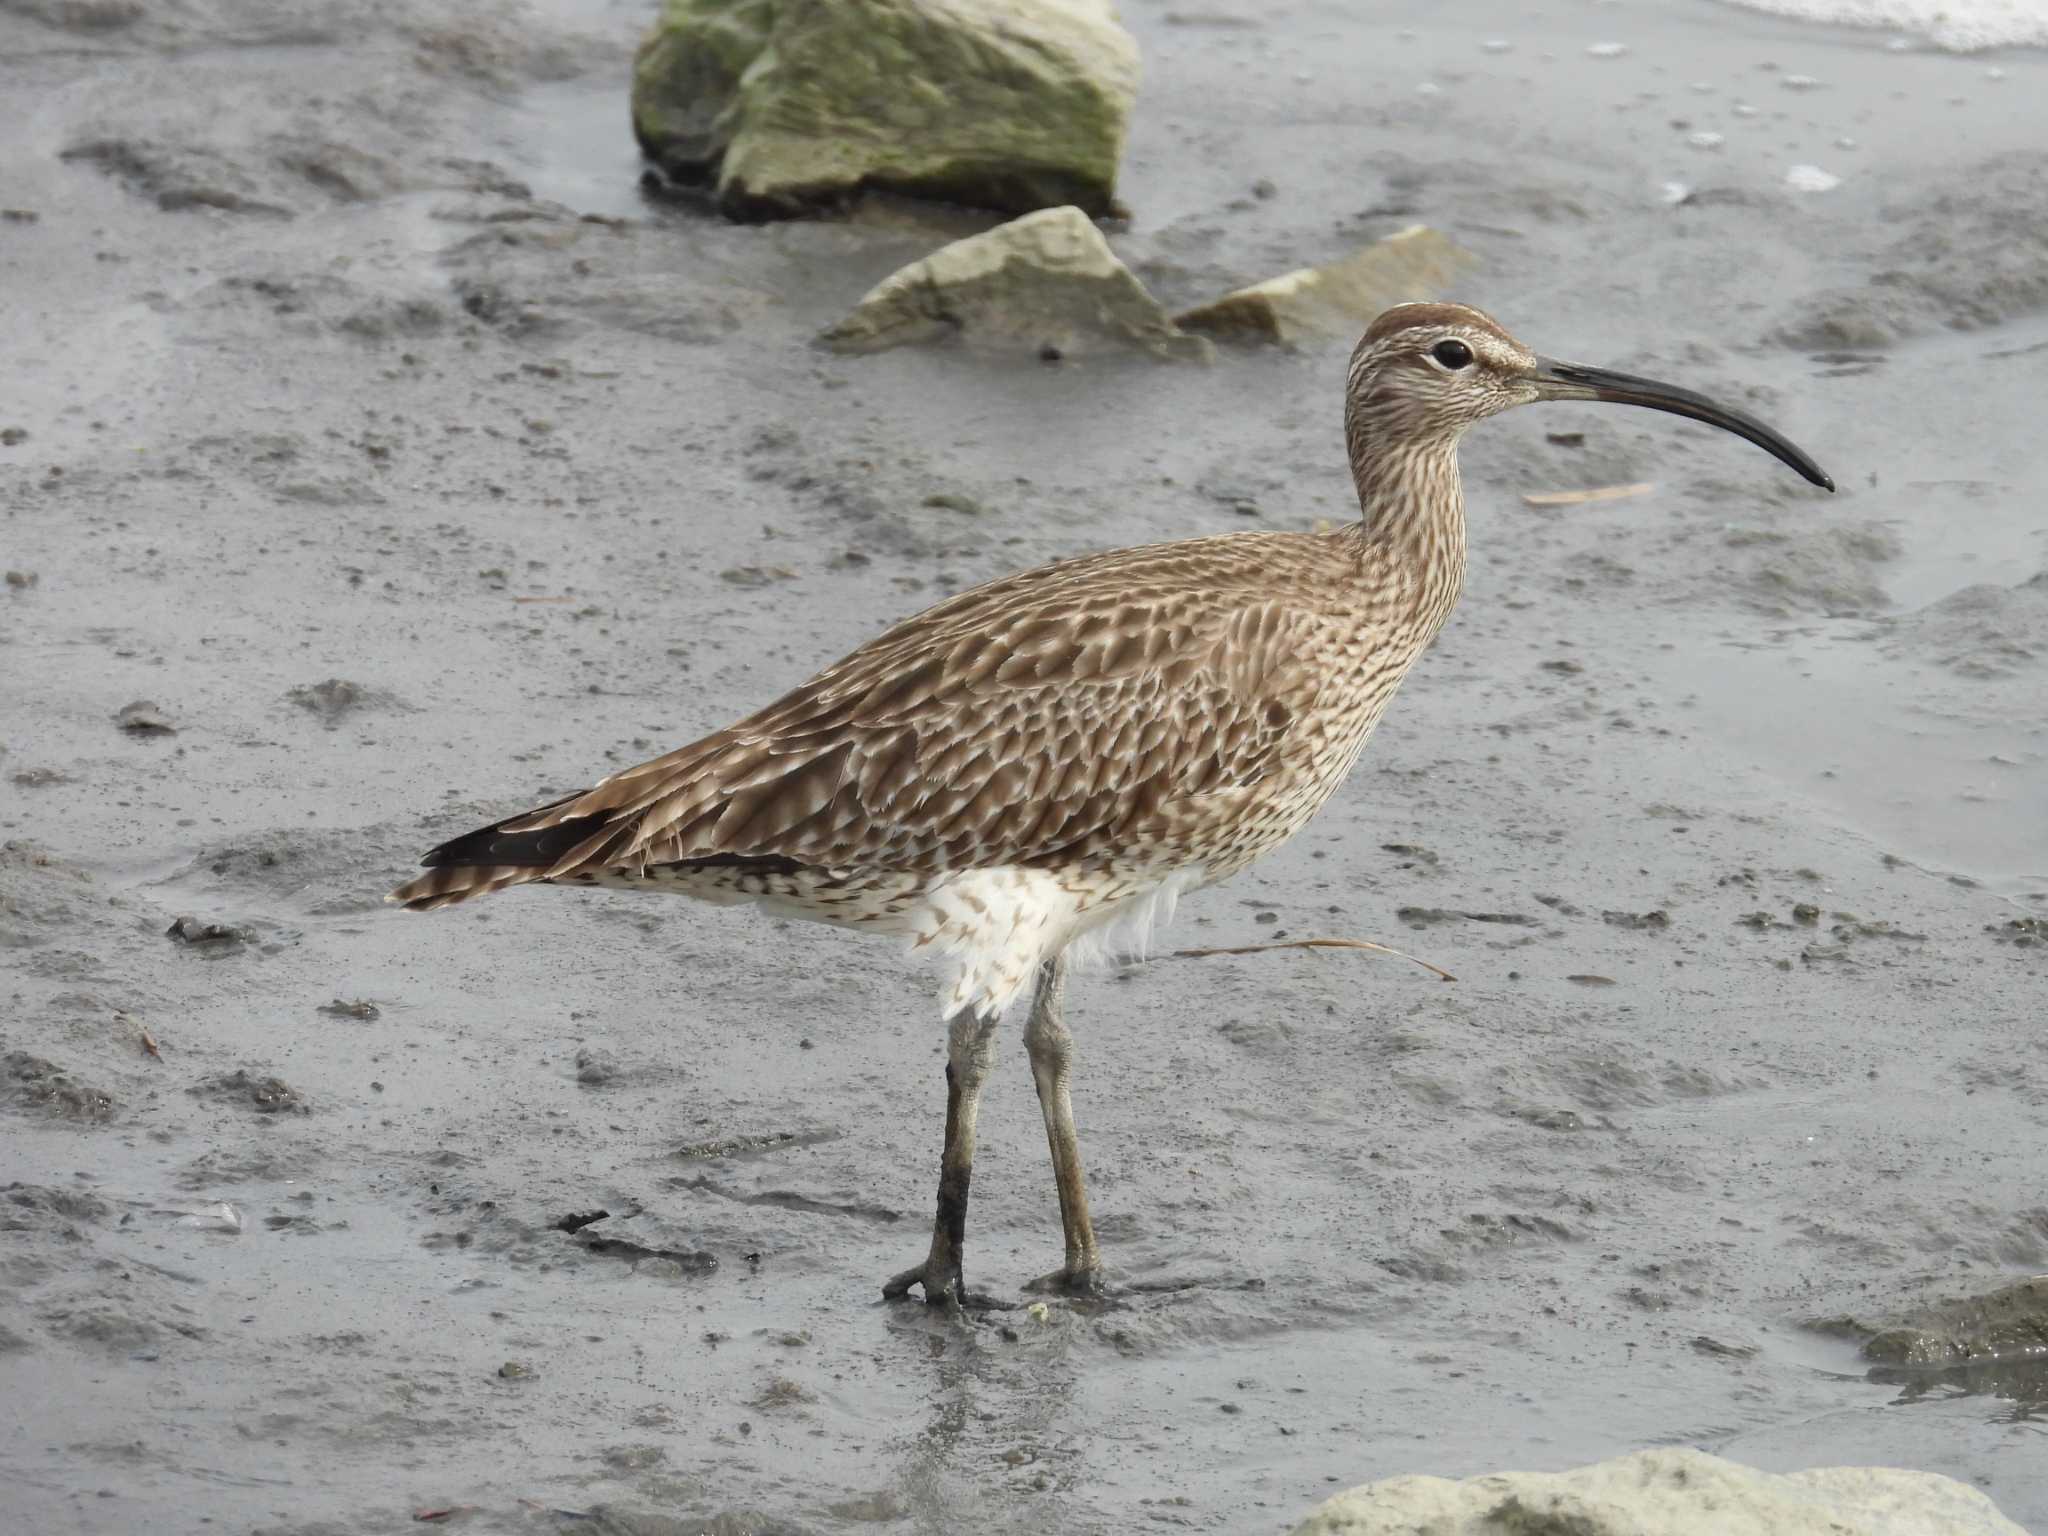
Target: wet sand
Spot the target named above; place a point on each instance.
(362, 417)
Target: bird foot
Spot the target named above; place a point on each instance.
(948, 1293)
(1085, 1280)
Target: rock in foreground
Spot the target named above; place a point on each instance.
(1336, 300)
(1007, 104)
(1047, 280)
(1666, 1493)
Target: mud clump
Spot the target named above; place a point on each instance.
(177, 178)
(2007, 1324)
(361, 1008)
(1964, 261)
(41, 1085)
(201, 934)
(264, 1093)
(34, 1207)
(1827, 571)
(1984, 631)
(1639, 922)
(335, 699)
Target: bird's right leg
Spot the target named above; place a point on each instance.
(970, 1043)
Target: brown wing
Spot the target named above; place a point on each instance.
(1028, 719)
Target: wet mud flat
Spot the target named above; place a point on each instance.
(375, 459)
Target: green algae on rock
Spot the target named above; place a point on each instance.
(788, 108)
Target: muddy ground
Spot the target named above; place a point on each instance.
(360, 416)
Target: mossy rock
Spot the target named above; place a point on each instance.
(792, 106)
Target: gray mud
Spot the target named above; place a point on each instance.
(363, 419)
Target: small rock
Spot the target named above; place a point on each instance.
(220, 1216)
(513, 1370)
(1337, 299)
(143, 718)
(1811, 178)
(21, 581)
(1047, 279)
(596, 1068)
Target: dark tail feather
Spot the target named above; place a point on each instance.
(492, 858)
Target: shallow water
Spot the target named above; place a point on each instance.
(1583, 1200)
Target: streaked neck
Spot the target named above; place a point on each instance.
(1412, 502)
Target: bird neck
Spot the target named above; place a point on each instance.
(1413, 506)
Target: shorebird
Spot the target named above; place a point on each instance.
(1035, 771)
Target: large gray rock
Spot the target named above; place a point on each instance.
(789, 106)
(1337, 300)
(1665, 1493)
(1048, 279)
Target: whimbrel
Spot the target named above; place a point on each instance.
(1036, 770)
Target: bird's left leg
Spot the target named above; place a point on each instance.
(1051, 1045)
(970, 1043)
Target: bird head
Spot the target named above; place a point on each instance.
(1426, 372)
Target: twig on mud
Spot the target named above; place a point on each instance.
(1255, 949)
(1592, 493)
(143, 1036)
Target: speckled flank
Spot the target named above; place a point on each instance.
(1058, 755)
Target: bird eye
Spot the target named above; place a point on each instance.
(1452, 354)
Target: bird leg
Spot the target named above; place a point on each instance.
(970, 1044)
(1051, 1046)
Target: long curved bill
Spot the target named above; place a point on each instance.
(1574, 381)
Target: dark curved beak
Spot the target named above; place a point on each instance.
(1574, 381)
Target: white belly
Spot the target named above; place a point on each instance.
(992, 927)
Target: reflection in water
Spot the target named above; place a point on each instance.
(999, 1402)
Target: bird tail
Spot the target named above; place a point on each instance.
(445, 887)
(507, 853)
